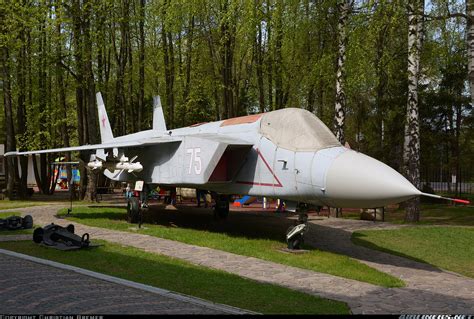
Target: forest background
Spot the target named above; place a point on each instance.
(214, 59)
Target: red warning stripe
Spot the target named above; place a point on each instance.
(271, 171)
(463, 201)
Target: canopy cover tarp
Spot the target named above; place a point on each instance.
(297, 130)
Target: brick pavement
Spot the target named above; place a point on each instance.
(429, 290)
(28, 287)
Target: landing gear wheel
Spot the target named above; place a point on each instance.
(221, 211)
(296, 239)
(38, 235)
(295, 242)
(133, 210)
(27, 222)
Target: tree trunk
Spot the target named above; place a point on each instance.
(259, 69)
(141, 66)
(470, 45)
(10, 132)
(189, 48)
(278, 57)
(62, 96)
(412, 129)
(21, 114)
(77, 44)
(227, 57)
(344, 7)
(92, 116)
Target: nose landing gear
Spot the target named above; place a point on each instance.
(295, 234)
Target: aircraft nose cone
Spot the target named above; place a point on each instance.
(359, 181)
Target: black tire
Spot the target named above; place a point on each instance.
(70, 228)
(133, 210)
(38, 235)
(27, 222)
(295, 242)
(221, 211)
(14, 222)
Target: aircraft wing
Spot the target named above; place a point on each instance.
(204, 158)
(103, 146)
(196, 159)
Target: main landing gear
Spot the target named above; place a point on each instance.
(295, 234)
(133, 210)
(136, 206)
(221, 210)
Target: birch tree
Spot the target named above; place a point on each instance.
(344, 7)
(411, 150)
(470, 45)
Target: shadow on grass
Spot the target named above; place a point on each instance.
(238, 224)
(358, 239)
(103, 215)
(254, 225)
(341, 241)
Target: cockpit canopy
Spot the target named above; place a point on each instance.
(296, 130)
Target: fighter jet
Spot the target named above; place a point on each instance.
(288, 154)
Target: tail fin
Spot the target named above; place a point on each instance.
(159, 123)
(104, 124)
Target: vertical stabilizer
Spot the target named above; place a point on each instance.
(104, 124)
(158, 117)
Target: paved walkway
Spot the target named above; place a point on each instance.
(429, 290)
(29, 287)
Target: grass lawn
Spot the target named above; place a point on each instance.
(446, 247)
(9, 204)
(430, 214)
(438, 214)
(14, 232)
(172, 274)
(268, 249)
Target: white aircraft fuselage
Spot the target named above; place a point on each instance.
(288, 154)
(328, 175)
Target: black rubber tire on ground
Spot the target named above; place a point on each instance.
(70, 228)
(38, 235)
(133, 210)
(295, 242)
(221, 211)
(27, 222)
(14, 222)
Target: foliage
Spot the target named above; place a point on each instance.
(213, 59)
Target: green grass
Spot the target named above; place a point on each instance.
(9, 204)
(267, 249)
(14, 232)
(430, 214)
(172, 274)
(439, 214)
(445, 247)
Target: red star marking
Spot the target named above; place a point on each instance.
(103, 120)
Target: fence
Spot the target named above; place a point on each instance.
(443, 181)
